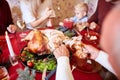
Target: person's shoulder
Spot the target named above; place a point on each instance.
(4, 5)
(3, 2)
(23, 4)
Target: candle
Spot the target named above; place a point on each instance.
(9, 44)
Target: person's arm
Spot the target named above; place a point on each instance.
(104, 61)
(100, 57)
(63, 66)
(26, 12)
(63, 69)
(39, 21)
(11, 27)
(29, 18)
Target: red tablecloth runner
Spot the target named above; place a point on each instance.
(17, 46)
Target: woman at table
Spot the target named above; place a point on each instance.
(110, 44)
(6, 22)
(35, 13)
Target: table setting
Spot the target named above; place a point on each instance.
(28, 57)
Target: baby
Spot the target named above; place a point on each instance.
(80, 18)
(81, 10)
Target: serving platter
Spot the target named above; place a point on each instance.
(37, 61)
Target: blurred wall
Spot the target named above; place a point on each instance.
(63, 8)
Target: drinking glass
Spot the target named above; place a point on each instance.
(4, 73)
(21, 24)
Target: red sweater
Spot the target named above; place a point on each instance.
(5, 16)
(103, 8)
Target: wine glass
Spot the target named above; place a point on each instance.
(21, 25)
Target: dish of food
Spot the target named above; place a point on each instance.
(91, 37)
(86, 65)
(36, 61)
(38, 52)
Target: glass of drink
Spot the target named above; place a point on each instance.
(21, 24)
(4, 73)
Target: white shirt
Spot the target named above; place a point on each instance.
(64, 71)
(26, 12)
(104, 61)
(27, 15)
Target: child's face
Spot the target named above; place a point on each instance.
(79, 14)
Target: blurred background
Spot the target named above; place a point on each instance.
(63, 8)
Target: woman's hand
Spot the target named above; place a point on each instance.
(12, 28)
(49, 12)
(61, 51)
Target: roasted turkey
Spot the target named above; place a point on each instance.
(49, 39)
(55, 38)
(36, 41)
(44, 40)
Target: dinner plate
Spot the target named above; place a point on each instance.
(91, 37)
(86, 65)
(37, 62)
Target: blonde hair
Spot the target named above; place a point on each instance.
(82, 7)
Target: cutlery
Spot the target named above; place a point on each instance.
(44, 73)
(50, 74)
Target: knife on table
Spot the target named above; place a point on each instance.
(50, 74)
